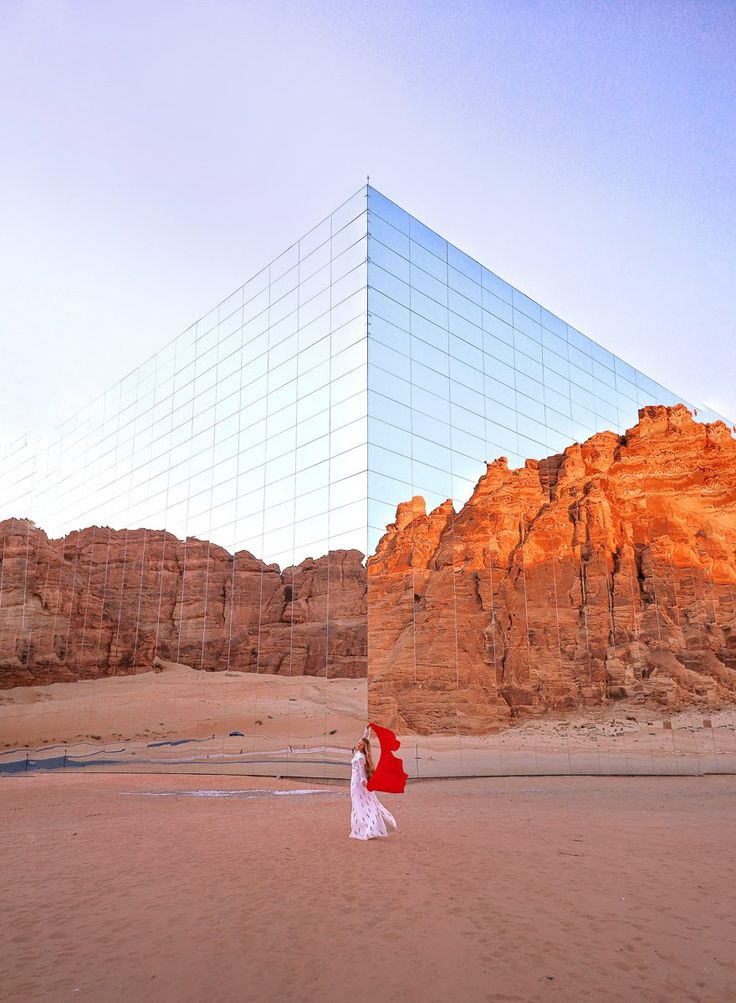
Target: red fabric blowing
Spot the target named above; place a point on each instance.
(389, 775)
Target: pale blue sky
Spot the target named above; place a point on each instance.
(155, 154)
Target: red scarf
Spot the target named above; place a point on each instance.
(389, 775)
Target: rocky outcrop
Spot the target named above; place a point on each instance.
(605, 573)
(102, 602)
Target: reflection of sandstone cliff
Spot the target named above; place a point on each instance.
(104, 602)
(603, 573)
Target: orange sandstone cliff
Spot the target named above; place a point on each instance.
(605, 573)
(102, 602)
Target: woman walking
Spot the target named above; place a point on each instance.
(368, 816)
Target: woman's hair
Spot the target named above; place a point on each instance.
(369, 767)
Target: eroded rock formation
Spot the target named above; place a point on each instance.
(603, 573)
(103, 602)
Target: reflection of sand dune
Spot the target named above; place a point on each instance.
(625, 740)
(183, 720)
(180, 702)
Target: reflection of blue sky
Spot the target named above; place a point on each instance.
(248, 430)
(267, 424)
(463, 368)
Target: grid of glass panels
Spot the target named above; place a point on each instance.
(258, 408)
(247, 432)
(462, 369)
(371, 362)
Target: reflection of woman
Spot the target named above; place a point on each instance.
(368, 816)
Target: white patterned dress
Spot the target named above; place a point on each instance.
(368, 816)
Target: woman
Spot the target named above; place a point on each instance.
(368, 817)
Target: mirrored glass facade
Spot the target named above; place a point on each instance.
(533, 601)
(188, 550)
(376, 480)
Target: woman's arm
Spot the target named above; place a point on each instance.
(362, 771)
(367, 732)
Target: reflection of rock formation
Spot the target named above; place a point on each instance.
(104, 602)
(606, 572)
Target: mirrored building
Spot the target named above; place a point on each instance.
(375, 480)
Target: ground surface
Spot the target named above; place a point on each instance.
(513, 889)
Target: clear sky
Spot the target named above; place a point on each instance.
(155, 154)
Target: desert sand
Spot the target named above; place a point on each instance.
(188, 889)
